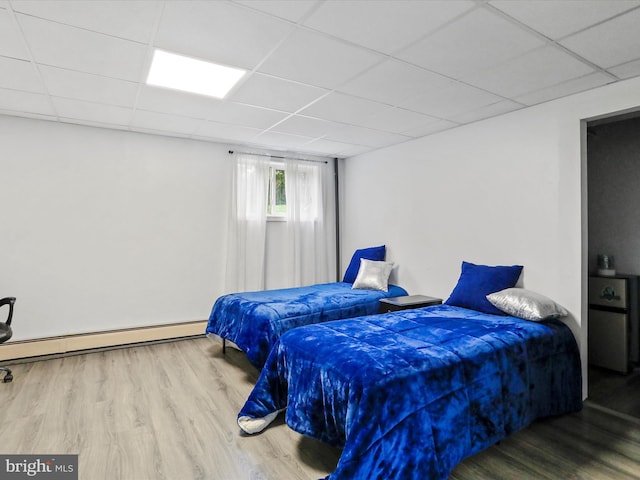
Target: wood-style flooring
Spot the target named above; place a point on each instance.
(168, 411)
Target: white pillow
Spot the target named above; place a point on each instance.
(373, 275)
(526, 304)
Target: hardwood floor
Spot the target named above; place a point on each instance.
(168, 411)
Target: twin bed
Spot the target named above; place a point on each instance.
(254, 321)
(409, 394)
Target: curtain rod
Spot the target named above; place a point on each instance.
(276, 156)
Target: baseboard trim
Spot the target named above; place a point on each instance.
(87, 341)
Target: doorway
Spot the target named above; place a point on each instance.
(613, 193)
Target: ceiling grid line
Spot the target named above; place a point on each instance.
(555, 43)
(149, 56)
(31, 58)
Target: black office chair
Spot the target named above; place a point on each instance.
(6, 332)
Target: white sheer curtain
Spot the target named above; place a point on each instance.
(247, 224)
(306, 228)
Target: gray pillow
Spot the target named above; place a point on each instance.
(373, 275)
(526, 304)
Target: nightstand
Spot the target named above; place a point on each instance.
(406, 302)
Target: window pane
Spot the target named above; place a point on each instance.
(276, 192)
(280, 194)
(269, 192)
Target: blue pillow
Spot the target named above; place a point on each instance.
(377, 254)
(478, 281)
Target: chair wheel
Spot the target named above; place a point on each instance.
(8, 378)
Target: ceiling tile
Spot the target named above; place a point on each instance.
(353, 151)
(271, 92)
(237, 114)
(318, 60)
(393, 81)
(329, 147)
(225, 132)
(292, 11)
(487, 111)
(306, 126)
(197, 106)
(81, 50)
(165, 100)
(566, 88)
(611, 43)
(626, 70)
(86, 86)
(451, 101)
(479, 40)
(19, 75)
(93, 112)
(281, 140)
(28, 102)
(364, 136)
(129, 20)
(558, 18)
(342, 108)
(219, 31)
(533, 71)
(164, 122)
(11, 44)
(396, 120)
(429, 128)
(384, 26)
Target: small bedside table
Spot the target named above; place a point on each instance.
(406, 302)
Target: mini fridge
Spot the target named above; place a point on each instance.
(614, 333)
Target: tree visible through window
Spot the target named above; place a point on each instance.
(277, 196)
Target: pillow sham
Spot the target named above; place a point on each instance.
(373, 275)
(371, 253)
(526, 304)
(478, 281)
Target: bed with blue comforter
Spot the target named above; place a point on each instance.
(409, 394)
(254, 321)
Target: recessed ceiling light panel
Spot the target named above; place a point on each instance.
(191, 75)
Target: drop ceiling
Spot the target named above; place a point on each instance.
(328, 78)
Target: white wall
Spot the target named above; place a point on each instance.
(104, 229)
(502, 191)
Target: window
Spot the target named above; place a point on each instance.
(293, 191)
(277, 195)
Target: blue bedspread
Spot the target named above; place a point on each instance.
(410, 394)
(254, 321)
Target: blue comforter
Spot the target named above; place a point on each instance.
(254, 321)
(410, 394)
